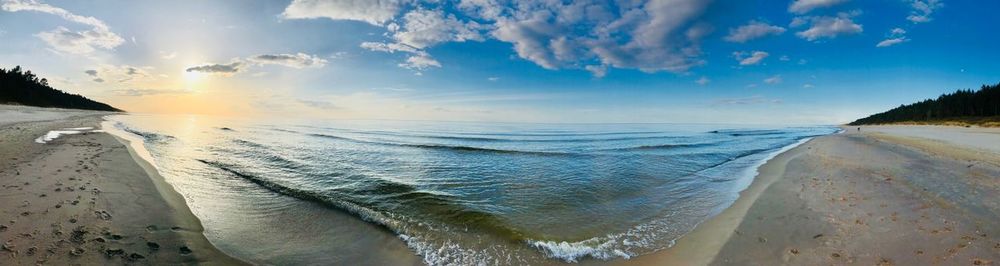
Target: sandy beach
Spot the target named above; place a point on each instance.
(887, 195)
(83, 199)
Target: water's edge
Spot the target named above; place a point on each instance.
(170, 195)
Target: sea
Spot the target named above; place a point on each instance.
(450, 193)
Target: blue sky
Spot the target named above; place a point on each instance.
(757, 62)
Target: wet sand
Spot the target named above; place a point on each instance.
(897, 195)
(85, 200)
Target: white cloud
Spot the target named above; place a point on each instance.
(755, 57)
(389, 47)
(785, 58)
(340, 55)
(703, 81)
(896, 36)
(773, 80)
(829, 27)
(807, 86)
(599, 71)
(170, 55)
(236, 65)
(62, 39)
(325, 105)
(148, 92)
(222, 69)
(756, 99)
(298, 60)
(891, 42)
(493, 78)
(753, 30)
(922, 10)
(423, 28)
(804, 6)
(419, 62)
(375, 12)
(120, 74)
(651, 36)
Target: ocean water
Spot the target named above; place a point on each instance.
(440, 193)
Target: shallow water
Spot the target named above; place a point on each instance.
(452, 193)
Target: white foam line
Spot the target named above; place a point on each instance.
(54, 134)
(136, 142)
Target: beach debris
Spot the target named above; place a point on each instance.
(77, 251)
(72, 220)
(31, 251)
(8, 246)
(153, 246)
(978, 261)
(185, 250)
(835, 255)
(25, 213)
(817, 236)
(884, 262)
(3, 228)
(99, 240)
(114, 252)
(762, 239)
(793, 251)
(151, 228)
(175, 228)
(116, 237)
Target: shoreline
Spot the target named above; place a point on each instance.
(849, 197)
(701, 245)
(85, 199)
(169, 194)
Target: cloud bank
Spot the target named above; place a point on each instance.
(651, 36)
(62, 39)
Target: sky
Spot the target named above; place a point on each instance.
(678, 61)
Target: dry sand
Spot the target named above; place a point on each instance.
(896, 195)
(84, 200)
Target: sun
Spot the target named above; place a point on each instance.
(192, 77)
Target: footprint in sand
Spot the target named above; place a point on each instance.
(103, 215)
(185, 250)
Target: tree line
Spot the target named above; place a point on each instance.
(22, 87)
(983, 103)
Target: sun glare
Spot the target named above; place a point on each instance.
(192, 77)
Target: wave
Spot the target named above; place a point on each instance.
(749, 132)
(457, 218)
(663, 146)
(357, 200)
(148, 136)
(457, 148)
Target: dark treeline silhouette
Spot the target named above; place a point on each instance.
(24, 88)
(962, 104)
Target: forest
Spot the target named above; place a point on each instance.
(22, 87)
(968, 106)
